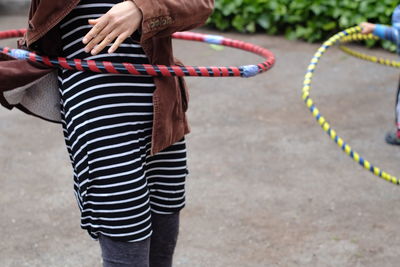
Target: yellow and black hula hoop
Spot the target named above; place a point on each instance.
(348, 35)
(361, 37)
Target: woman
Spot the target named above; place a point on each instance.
(124, 134)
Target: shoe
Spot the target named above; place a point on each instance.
(392, 139)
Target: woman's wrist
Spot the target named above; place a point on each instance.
(140, 12)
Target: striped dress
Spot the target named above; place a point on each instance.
(107, 122)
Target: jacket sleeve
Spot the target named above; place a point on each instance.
(391, 34)
(162, 18)
(396, 17)
(387, 33)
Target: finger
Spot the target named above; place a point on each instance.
(98, 39)
(363, 28)
(121, 38)
(93, 21)
(108, 40)
(98, 27)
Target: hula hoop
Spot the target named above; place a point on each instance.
(344, 36)
(363, 37)
(153, 70)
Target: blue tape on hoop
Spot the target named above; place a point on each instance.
(250, 71)
(214, 39)
(19, 54)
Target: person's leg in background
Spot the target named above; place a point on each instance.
(398, 112)
(393, 137)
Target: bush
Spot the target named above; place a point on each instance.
(310, 20)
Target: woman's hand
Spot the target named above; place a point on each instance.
(367, 27)
(120, 22)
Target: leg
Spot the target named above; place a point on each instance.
(124, 254)
(163, 239)
(397, 113)
(166, 174)
(393, 137)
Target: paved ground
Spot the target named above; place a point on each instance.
(267, 187)
(14, 6)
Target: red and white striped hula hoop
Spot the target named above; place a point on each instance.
(153, 70)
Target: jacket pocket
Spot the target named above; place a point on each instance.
(183, 89)
(184, 93)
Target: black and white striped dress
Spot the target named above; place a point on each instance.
(107, 122)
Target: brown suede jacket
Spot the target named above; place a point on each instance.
(33, 88)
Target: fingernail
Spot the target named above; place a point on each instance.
(84, 40)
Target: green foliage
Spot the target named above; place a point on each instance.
(310, 20)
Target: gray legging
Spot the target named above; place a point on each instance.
(156, 251)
